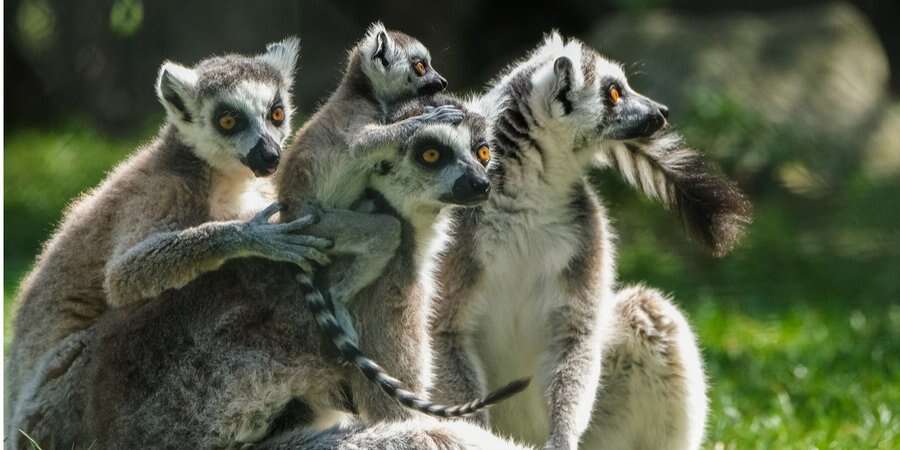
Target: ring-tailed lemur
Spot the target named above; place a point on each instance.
(231, 358)
(176, 208)
(329, 156)
(526, 284)
(341, 333)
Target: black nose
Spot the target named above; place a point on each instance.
(263, 157)
(470, 189)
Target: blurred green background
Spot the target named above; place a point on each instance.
(797, 101)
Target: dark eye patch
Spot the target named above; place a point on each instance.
(423, 148)
(224, 110)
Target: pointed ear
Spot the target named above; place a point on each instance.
(175, 88)
(564, 72)
(377, 45)
(283, 56)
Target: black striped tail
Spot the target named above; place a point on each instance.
(712, 208)
(322, 308)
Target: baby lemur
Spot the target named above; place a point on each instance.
(231, 359)
(329, 156)
(526, 284)
(174, 209)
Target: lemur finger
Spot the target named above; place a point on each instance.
(309, 241)
(300, 223)
(315, 255)
(266, 214)
(300, 251)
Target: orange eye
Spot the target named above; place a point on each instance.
(484, 154)
(227, 121)
(278, 115)
(614, 95)
(431, 156)
(420, 68)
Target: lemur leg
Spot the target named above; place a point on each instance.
(369, 239)
(375, 136)
(167, 260)
(574, 362)
(419, 434)
(653, 391)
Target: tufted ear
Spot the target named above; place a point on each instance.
(283, 56)
(378, 46)
(564, 73)
(175, 87)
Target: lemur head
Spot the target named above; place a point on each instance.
(440, 165)
(583, 90)
(234, 111)
(397, 65)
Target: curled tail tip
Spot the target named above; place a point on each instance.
(507, 391)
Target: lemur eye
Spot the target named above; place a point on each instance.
(484, 154)
(614, 95)
(431, 156)
(420, 68)
(227, 121)
(277, 115)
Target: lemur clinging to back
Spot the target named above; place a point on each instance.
(526, 284)
(328, 158)
(173, 210)
(331, 158)
(204, 367)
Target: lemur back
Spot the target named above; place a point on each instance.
(172, 211)
(527, 280)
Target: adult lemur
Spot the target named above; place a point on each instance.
(526, 285)
(171, 211)
(234, 358)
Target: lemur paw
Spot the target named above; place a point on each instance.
(283, 241)
(442, 114)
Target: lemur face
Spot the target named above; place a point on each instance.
(591, 93)
(440, 165)
(233, 110)
(398, 65)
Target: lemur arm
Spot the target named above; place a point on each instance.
(161, 260)
(374, 136)
(576, 362)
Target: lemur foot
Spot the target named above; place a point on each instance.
(283, 241)
(442, 114)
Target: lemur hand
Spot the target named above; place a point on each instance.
(283, 241)
(442, 114)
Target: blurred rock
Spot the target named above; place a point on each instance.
(817, 73)
(882, 154)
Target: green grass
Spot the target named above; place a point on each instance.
(800, 327)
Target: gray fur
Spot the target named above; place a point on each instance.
(334, 150)
(169, 213)
(233, 358)
(526, 284)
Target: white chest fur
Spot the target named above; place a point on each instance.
(523, 256)
(238, 197)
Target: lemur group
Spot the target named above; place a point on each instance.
(410, 270)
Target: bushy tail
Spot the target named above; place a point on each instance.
(322, 309)
(711, 207)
